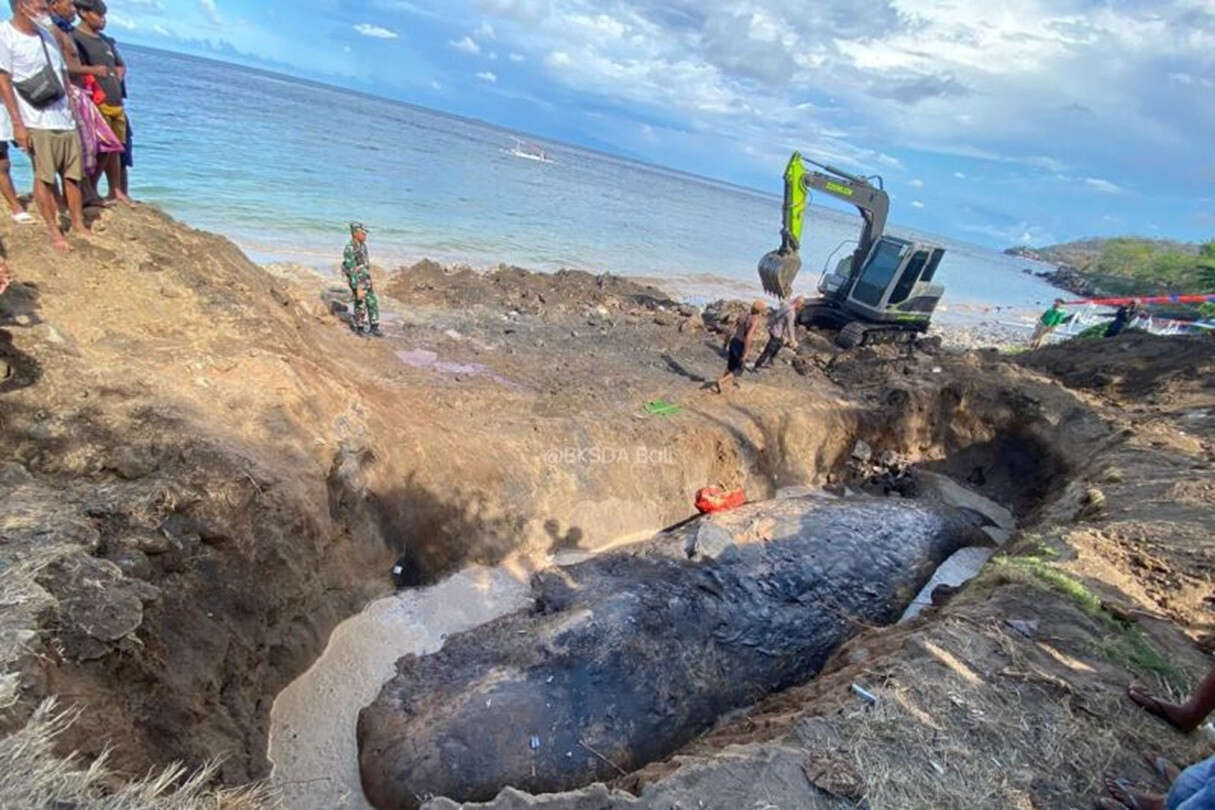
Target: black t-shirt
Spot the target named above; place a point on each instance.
(101, 51)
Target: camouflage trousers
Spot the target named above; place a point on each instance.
(367, 310)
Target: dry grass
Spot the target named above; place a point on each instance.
(33, 776)
(977, 717)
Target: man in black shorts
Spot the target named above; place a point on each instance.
(738, 343)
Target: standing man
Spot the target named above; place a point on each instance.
(738, 343)
(1124, 317)
(33, 84)
(1050, 320)
(356, 267)
(99, 56)
(781, 330)
(63, 14)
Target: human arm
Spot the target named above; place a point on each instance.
(791, 327)
(120, 65)
(751, 328)
(9, 96)
(71, 56)
(20, 134)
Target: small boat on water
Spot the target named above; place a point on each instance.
(528, 151)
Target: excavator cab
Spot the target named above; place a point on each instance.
(883, 291)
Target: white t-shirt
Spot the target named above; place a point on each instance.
(21, 56)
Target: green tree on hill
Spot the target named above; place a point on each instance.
(1206, 266)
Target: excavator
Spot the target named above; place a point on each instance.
(883, 292)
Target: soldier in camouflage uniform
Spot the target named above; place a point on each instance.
(356, 267)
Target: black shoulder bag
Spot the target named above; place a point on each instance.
(43, 88)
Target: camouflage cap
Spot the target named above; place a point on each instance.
(358, 226)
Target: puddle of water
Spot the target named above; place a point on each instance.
(961, 567)
(964, 564)
(312, 723)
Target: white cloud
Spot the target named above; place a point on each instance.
(516, 57)
(1104, 186)
(487, 76)
(1027, 83)
(916, 183)
(375, 31)
(211, 10)
(960, 175)
(435, 85)
(161, 30)
(119, 21)
(486, 31)
(468, 45)
(917, 204)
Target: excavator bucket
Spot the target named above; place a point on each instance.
(777, 271)
(778, 268)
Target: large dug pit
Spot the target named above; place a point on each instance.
(583, 672)
(627, 656)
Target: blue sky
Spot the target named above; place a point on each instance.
(999, 122)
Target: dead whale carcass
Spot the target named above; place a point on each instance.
(628, 655)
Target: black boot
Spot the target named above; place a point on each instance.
(375, 330)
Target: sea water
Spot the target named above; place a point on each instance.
(281, 165)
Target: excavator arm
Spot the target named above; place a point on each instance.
(778, 268)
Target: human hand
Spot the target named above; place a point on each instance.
(21, 135)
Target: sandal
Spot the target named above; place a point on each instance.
(1163, 767)
(1120, 790)
(23, 218)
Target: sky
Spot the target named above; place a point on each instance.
(1000, 122)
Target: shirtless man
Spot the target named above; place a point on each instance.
(738, 343)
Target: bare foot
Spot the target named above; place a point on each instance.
(60, 244)
(1162, 766)
(121, 197)
(1120, 789)
(1173, 714)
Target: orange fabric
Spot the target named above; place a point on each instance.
(713, 499)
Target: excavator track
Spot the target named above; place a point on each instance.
(859, 333)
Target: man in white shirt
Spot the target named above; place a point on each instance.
(47, 130)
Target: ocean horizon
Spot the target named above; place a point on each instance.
(280, 165)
